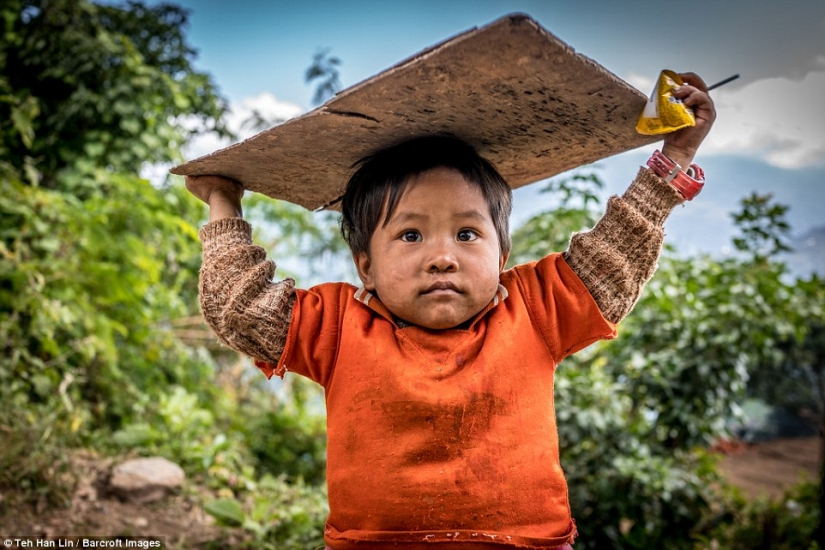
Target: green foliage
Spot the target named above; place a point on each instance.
(284, 434)
(92, 87)
(94, 260)
(96, 264)
(549, 231)
(625, 490)
(85, 288)
(788, 523)
(794, 379)
(33, 457)
(699, 328)
(764, 228)
(277, 515)
(635, 414)
(235, 437)
(227, 511)
(182, 429)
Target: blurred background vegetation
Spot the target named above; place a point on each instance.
(102, 351)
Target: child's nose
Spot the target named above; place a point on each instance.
(442, 259)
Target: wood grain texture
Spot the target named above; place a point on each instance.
(527, 101)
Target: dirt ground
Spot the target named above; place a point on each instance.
(768, 468)
(765, 468)
(178, 520)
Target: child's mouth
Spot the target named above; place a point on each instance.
(441, 287)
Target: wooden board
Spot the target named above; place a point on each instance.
(527, 101)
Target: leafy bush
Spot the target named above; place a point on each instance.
(284, 434)
(624, 491)
(178, 427)
(635, 413)
(94, 260)
(277, 515)
(787, 523)
(34, 456)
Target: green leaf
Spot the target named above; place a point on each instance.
(227, 511)
(22, 116)
(134, 435)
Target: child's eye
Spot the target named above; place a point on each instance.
(411, 236)
(467, 235)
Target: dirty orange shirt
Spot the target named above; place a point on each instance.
(445, 437)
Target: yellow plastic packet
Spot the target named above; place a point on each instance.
(664, 113)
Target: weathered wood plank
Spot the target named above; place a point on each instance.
(527, 101)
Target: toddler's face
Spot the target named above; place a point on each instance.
(437, 261)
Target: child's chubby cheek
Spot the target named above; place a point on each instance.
(438, 300)
(435, 262)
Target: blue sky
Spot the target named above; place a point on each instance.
(769, 137)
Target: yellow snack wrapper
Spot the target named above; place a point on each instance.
(664, 113)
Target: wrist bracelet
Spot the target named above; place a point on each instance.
(688, 183)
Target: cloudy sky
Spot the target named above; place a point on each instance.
(770, 132)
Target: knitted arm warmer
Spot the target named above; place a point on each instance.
(246, 310)
(619, 255)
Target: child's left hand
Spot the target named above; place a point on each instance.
(681, 146)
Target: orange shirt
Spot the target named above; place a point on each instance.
(445, 437)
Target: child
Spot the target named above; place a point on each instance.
(438, 371)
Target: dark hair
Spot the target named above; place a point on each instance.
(383, 176)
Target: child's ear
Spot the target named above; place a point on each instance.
(364, 267)
(502, 261)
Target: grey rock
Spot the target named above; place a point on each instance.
(144, 480)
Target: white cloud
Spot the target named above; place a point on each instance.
(266, 105)
(641, 82)
(779, 120)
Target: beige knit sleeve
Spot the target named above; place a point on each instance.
(619, 255)
(247, 310)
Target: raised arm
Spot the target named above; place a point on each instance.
(619, 255)
(247, 310)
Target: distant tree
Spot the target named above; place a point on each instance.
(325, 74)
(574, 202)
(764, 229)
(635, 413)
(94, 260)
(98, 87)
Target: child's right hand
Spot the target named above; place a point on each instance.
(681, 146)
(203, 187)
(223, 195)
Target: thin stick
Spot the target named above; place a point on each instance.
(723, 82)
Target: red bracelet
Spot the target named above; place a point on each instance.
(688, 184)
